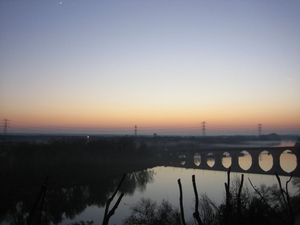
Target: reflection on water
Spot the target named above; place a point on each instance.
(165, 180)
(265, 160)
(245, 160)
(66, 203)
(137, 181)
(85, 198)
(288, 161)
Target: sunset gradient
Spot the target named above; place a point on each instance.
(102, 67)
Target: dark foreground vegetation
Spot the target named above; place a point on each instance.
(265, 205)
(81, 173)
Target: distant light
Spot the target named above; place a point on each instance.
(87, 137)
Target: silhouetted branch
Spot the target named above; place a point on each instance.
(107, 214)
(42, 195)
(227, 189)
(285, 196)
(181, 203)
(281, 189)
(112, 211)
(288, 199)
(264, 200)
(43, 201)
(239, 200)
(196, 213)
(262, 197)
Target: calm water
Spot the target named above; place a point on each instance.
(163, 185)
(85, 199)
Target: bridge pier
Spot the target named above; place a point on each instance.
(235, 162)
(255, 161)
(276, 162)
(218, 161)
(203, 164)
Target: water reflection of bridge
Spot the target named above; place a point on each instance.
(188, 159)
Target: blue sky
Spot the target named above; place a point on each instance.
(109, 65)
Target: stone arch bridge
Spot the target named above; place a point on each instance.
(176, 157)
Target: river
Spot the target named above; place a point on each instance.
(78, 192)
(163, 185)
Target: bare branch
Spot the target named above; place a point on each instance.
(112, 211)
(227, 189)
(181, 202)
(40, 196)
(288, 200)
(106, 214)
(283, 193)
(239, 199)
(196, 213)
(265, 201)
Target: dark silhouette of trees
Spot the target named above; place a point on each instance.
(148, 212)
(77, 173)
(264, 206)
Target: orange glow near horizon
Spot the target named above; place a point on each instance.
(155, 118)
(221, 115)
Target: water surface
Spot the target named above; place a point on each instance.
(163, 185)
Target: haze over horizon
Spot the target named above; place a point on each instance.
(214, 130)
(95, 67)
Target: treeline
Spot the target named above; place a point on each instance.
(71, 149)
(81, 173)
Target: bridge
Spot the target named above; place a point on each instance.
(203, 159)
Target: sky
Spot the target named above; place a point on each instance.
(102, 67)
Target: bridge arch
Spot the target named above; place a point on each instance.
(182, 157)
(210, 159)
(288, 161)
(265, 160)
(245, 160)
(226, 160)
(197, 159)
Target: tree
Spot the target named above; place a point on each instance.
(147, 212)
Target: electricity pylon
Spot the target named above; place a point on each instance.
(5, 126)
(203, 128)
(259, 129)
